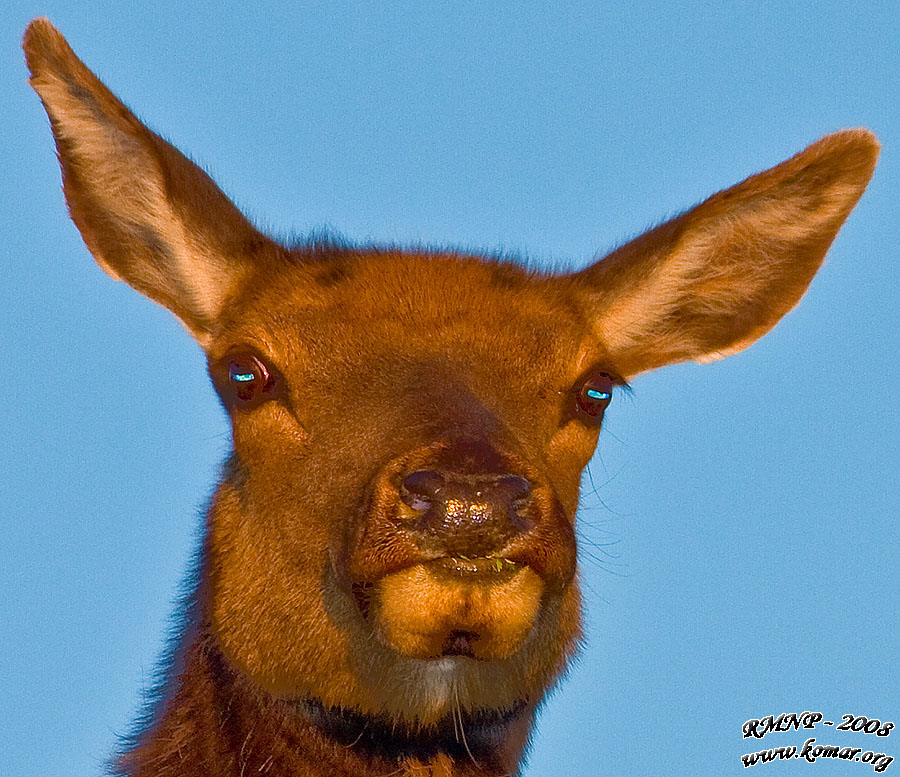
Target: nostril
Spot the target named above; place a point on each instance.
(415, 501)
(419, 488)
(517, 493)
(516, 489)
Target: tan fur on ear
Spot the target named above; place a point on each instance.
(711, 281)
(149, 215)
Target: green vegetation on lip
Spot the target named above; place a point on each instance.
(497, 563)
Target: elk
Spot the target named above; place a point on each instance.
(387, 583)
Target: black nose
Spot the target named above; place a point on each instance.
(465, 515)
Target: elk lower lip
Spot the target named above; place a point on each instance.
(452, 607)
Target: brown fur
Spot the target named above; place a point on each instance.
(338, 626)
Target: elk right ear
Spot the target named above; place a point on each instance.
(149, 215)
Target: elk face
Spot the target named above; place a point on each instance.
(404, 482)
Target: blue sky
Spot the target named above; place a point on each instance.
(740, 536)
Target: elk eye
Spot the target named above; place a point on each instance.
(249, 379)
(594, 395)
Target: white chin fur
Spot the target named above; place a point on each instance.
(424, 691)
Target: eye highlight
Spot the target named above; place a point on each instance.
(249, 380)
(593, 396)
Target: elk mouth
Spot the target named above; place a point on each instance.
(479, 608)
(490, 568)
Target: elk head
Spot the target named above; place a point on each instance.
(394, 532)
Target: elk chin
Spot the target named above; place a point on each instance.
(482, 609)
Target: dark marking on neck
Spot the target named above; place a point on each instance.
(476, 736)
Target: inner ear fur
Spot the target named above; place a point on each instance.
(711, 281)
(149, 215)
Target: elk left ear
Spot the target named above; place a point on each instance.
(711, 281)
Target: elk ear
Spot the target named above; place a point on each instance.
(711, 281)
(149, 215)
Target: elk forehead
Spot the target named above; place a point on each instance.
(327, 320)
